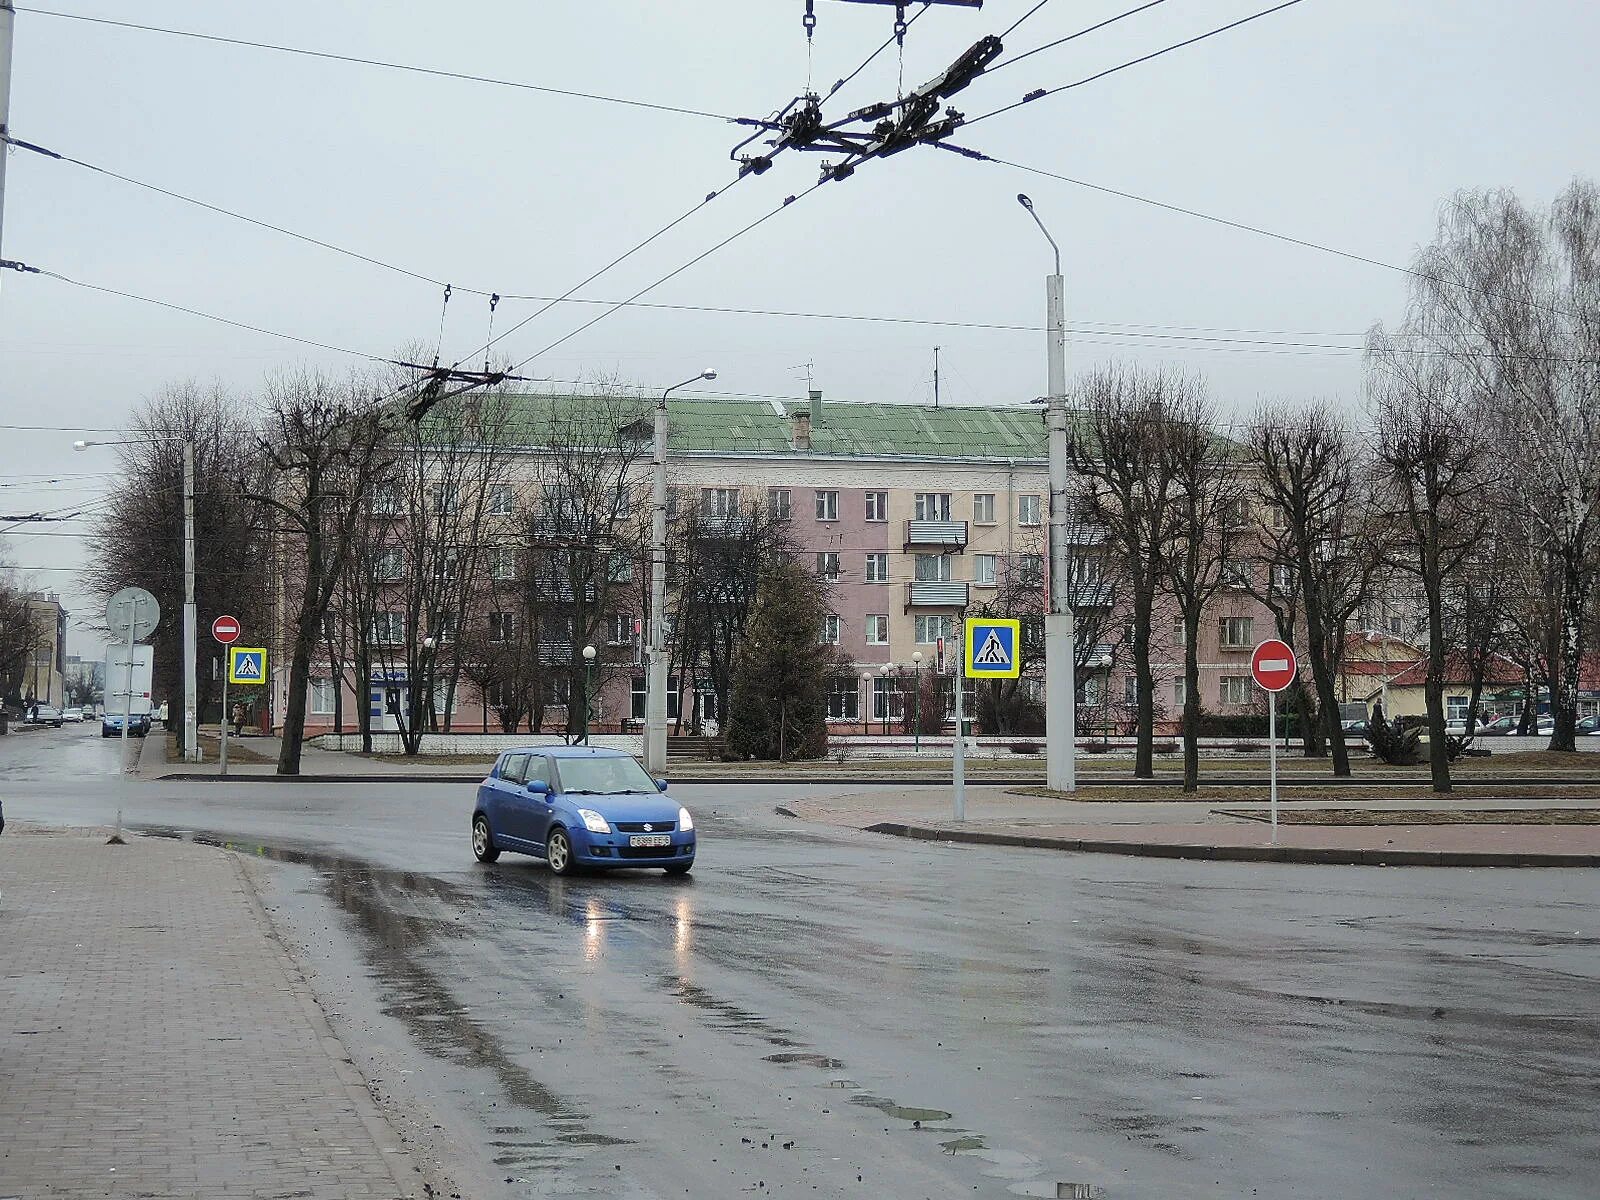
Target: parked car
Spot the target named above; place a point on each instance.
(111, 725)
(580, 807)
(44, 714)
(1589, 725)
(1356, 729)
(74, 715)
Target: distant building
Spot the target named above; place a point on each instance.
(43, 675)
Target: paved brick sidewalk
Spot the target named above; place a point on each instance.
(157, 1041)
(1207, 830)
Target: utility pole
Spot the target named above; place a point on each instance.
(655, 700)
(8, 21)
(191, 649)
(1060, 636)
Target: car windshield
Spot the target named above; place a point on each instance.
(603, 776)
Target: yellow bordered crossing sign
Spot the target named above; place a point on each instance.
(994, 647)
(247, 664)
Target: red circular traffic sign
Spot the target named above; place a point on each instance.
(225, 630)
(1273, 665)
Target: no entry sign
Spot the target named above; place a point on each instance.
(1273, 665)
(226, 630)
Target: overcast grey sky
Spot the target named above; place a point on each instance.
(1338, 121)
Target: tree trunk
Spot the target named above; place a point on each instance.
(1438, 752)
(1144, 702)
(294, 710)
(1564, 674)
(1191, 701)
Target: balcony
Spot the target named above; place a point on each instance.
(555, 654)
(930, 593)
(1083, 596)
(945, 535)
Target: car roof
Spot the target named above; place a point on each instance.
(568, 751)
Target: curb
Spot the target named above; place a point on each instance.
(1315, 855)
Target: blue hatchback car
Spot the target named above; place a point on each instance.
(580, 807)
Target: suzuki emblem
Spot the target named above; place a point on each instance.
(647, 829)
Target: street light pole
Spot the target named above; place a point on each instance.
(191, 635)
(1061, 691)
(655, 702)
(888, 696)
(588, 686)
(8, 21)
(866, 706)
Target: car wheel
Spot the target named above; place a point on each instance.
(679, 868)
(483, 847)
(558, 852)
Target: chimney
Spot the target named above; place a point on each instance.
(801, 436)
(816, 406)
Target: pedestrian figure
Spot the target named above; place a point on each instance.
(237, 718)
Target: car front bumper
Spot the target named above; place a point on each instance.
(611, 851)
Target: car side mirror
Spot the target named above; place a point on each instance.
(661, 784)
(538, 787)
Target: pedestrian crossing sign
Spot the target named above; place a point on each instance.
(992, 646)
(247, 664)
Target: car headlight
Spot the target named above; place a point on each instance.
(593, 821)
(685, 821)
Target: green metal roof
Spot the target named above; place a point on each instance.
(845, 429)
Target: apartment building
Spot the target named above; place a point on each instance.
(911, 514)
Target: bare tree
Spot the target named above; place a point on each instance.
(1207, 477)
(1323, 541)
(1512, 295)
(1117, 449)
(1434, 457)
(138, 537)
(323, 443)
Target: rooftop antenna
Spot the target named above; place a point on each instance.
(936, 377)
(809, 366)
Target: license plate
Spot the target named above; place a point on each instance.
(650, 839)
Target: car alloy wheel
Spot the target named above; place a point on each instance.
(558, 852)
(483, 847)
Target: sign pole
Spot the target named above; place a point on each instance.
(959, 764)
(1272, 757)
(127, 696)
(222, 753)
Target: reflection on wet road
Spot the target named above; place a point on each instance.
(841, 1015)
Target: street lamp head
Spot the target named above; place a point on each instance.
(427, 642)
(588, 654)
(81, 445)
(709, 373)
(1105, 660)
(1024, 201)
(887, 667)
(916, 656)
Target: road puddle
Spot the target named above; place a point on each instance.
(901, 1112)
(809, 1060)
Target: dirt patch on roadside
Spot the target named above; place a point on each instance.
(1425, 816)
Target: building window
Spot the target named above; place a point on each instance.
(719, 504)
(877, 568)
(827, 506)
(1085, 568)
(929, 629)
(1236, 632)
(1282, 579)
(830, 630)
(1028, 510)
(983, 569)
(1094, 690)
(1130, 690)
(558, 690)
(983, 508)
(933, 506)
(441, 701)
(1033, 633)
(619, 568)
(619, 629)
(1030, 570)
(888, 701)
(932, 568)
(844, 698)
(443, 627)
(502, 563)
(1235, 689)
(502, 626)
(442, 497)
(1455, 708)
(1236, 513)
(877, 506)
(828, 566)
(638, 690)
(500, 502)
(385, 501)
(391, 565)
(878, 630)
(1180, 632)
(388, 628)
(1180, 693)
(778, 504)
(1236, 573)
(322, 696)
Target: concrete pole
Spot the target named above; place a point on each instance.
(655, 701)
(8, 21)
(1060, 635)
(191, 635)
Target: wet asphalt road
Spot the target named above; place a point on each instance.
(823, 1013)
